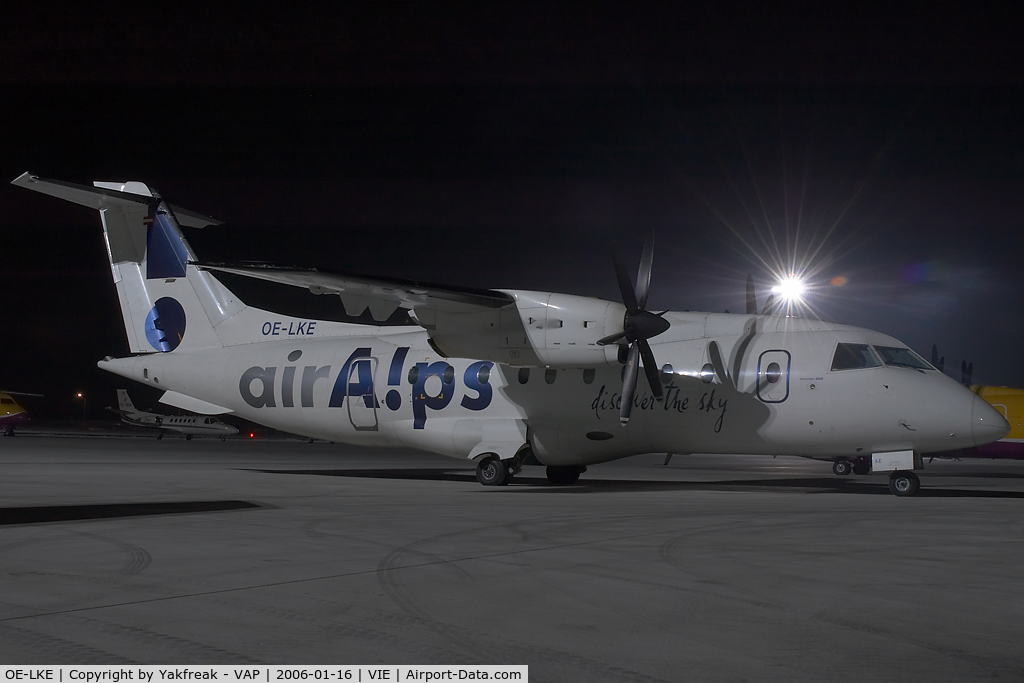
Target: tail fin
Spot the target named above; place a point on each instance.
(165, 302)
(124, 402)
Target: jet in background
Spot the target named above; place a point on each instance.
(189, 425)
(11, 412)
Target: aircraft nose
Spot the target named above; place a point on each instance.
(987, 424)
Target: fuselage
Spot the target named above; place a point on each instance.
(778, 394)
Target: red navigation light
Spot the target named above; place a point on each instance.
(252, 435)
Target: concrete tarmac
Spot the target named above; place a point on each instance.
(710, 569)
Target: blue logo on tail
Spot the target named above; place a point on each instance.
(165, 324)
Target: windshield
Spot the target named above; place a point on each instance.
(853, 356)
(904, 358)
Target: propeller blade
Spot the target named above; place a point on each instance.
(751, 296)
(942, 364)
(625, 286)
(629, 384)
(963, 372)
(935, 355)
(611, 338)
(650, 368)
(643, 275)
(715, 354)
(970, 374)
(768, 303)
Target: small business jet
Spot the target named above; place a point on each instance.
(12, 413)
(189, 425)
(510, 377)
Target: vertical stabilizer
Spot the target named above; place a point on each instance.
(124, 402)
(165, 302)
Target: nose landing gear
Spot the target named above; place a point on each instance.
(904, 483)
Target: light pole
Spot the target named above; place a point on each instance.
(85, 402)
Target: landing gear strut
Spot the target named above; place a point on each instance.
(904, 483)
(862, 466)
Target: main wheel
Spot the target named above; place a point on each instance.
(862, 466)
(188, 437)
(491, 471)
(842, 467)
(904, 483)
(563, 475)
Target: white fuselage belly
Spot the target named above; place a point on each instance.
(359, 389)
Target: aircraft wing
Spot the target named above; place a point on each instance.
(383, 296)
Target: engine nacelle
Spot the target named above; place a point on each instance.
(540, 329)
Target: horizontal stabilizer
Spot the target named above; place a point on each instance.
(173, 398)
(381, 295)
(104, 196)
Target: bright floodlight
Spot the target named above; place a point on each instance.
(790, 289)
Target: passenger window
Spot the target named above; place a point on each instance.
(854, 356)
(524, 375)
(588, 375)
(902, 358)
(549, 375)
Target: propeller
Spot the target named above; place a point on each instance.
(966, 373)
(751, 296)
(638, 325)
(939, 363)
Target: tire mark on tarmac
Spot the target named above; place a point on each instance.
(51, 649)
(501, 648)
(184, 647)
(996, 667)
(332, 577)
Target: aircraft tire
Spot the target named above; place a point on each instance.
(159, 436)
(904, 483)
(563, 475)
(862, 466)
(188, 437)
(842, 467)
(491, 471)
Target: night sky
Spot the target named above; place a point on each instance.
(507, 147)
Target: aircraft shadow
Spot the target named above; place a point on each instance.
(74, 513)
(526, 484)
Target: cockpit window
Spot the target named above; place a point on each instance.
(854, 356)
(903, 358)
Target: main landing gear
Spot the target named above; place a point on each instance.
(492, 471)
(843, 467)
(564, 475)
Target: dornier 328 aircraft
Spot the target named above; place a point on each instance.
(509, 377)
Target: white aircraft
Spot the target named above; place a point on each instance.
(509, 377)
(189, 425)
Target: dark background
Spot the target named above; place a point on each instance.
(507, 146)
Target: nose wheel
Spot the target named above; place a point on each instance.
(904, 483)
